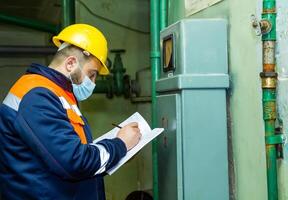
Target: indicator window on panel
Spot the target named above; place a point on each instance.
(168, 54)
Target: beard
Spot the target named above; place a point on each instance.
(76, 76)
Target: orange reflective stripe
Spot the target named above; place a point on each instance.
(77, 124)
(30, 81)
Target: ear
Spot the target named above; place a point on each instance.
(70, 63)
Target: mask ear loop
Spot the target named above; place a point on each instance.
(80, 68)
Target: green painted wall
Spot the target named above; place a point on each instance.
(247, 127)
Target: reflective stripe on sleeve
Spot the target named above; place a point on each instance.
(12, 101)
(65, 103)
(76, 110)
(104, 157)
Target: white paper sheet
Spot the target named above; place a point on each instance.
(147, 136)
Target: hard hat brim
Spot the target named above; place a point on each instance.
(104, 70)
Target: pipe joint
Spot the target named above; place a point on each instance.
(269, 11)
(268, 75)
(269, 80)
(269, 83)
(155, 54)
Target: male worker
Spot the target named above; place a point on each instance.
(46, 147)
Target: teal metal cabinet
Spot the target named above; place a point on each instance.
(191, 106)
(169, 146)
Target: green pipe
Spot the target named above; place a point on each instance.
(68, 12)
(155, 66)
(269, 115)
(163, 14)
(269, 79)
(269, 13)
(34, 24)
(158, 17)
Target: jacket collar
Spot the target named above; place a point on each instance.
(52, 75)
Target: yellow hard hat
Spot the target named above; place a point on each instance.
(87, 38)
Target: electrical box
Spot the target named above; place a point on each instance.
(191, 103)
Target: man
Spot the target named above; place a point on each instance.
(46, 147)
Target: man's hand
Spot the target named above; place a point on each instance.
(130, 135)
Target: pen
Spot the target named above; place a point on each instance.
(116, 125)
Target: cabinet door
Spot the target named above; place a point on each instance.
(169, 148)
(205, 156)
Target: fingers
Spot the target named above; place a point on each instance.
(136, 129)
(133, 124)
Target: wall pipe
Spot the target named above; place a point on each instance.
(155, 67)
(163, 14)
(24, 50)
(269, 84)
(34, 24)
(158, 17)
(68, 13)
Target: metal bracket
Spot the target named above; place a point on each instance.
(261, 27)
(275, 139)
(279, 140)
(256, 25)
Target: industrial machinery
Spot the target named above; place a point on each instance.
(191, 106)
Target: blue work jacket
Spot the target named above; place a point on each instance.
(41, 156)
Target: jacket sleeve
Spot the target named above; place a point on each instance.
(43, 125)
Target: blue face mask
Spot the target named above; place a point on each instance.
(83, 90)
